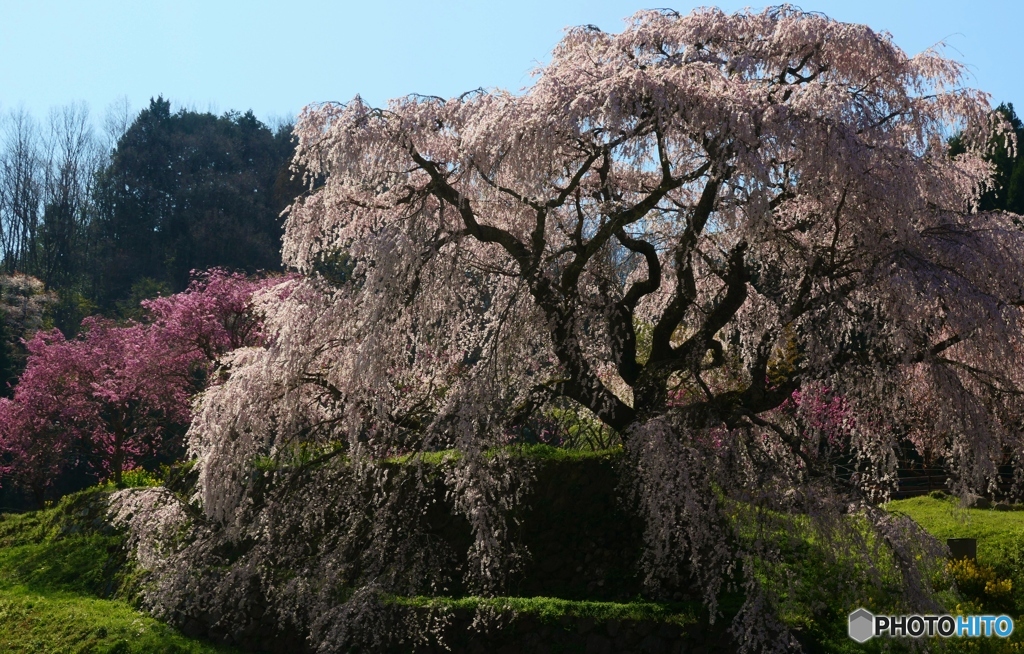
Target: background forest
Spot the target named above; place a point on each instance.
(104, 218)
(95, 220)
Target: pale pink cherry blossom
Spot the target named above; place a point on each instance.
(737, 240)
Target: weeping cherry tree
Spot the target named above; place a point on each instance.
(738, 241)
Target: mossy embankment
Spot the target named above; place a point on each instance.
(67, 583)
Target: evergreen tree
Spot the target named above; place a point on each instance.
(1007, 192)
(187, 191)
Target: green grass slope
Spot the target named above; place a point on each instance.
(999, 533)
(64, 585)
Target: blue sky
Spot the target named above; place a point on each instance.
(275, 57)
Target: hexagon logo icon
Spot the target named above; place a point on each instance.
(862, 625)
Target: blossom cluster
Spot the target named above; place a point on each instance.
(739, 242)
(119, 395)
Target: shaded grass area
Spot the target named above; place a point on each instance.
(995, 583)
(816, 581)
(65, 586)
(818, 586)
(550, 609)
(1000, 536)
(818, 590)
(305, 453)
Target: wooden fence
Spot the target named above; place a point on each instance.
(921, 481)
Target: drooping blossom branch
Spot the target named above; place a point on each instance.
(718, 234)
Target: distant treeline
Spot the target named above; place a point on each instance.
(107, 219)
(1007, 193)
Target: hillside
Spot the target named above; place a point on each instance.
(67, 583)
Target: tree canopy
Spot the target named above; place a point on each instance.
(1007, 191)
(739, 241)
(188, 191)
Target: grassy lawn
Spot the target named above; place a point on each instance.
(996, 583)
(63, 583)
(56, 621)
(999, 533)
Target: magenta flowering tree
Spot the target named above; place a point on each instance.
(212, 316)
(138, 396)
(115, 395)
(110, 397)
(35, 446)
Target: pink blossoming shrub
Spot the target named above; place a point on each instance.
(117, 396)
(212, 316)
(821, 412)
